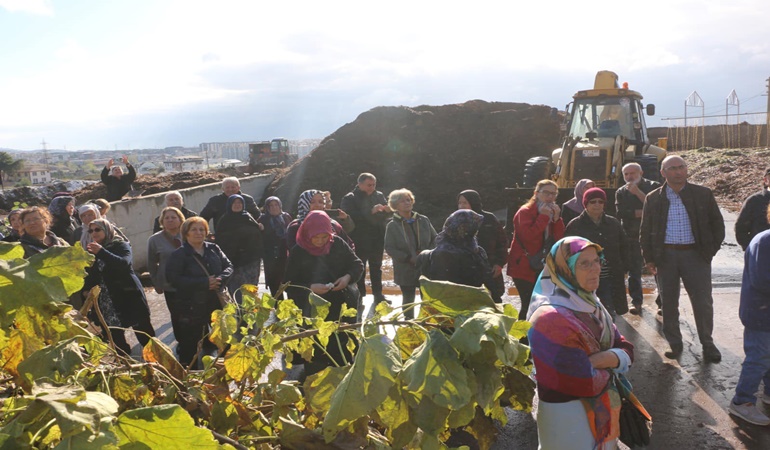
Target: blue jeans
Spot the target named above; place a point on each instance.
(756, 366)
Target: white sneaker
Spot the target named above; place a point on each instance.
(749, 413)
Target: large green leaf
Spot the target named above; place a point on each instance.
(435, 371)
(167, 427)
(519, 389)
(365, 386)
(60, 267)
(484, 326)
(158, 352)
(320, 386)
(450, 298)
(395, 414)
(319, 307)
(10, 251)
(224, 325)
(241, 361)
(56, 363)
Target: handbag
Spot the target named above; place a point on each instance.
(635, 421)
(222, 294)
(537, 260)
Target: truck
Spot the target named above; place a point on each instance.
(270, 154)
(604, 129)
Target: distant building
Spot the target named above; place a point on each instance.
(34, 173)
(183, 164)
(227, 150)
(147, 167)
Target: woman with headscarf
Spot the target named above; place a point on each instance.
(16, 228)
(408, 234)
(458, 257)
(596, 226)
(121, 302)
(323, 263)
(535, 226)
(63, 225)
(491, 238)
(574, 206)
(36, 237)
(87, 213)
(275, 252)
(312, 200)
(239, 235)
(576, 348)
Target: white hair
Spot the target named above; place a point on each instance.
(169, 194)
(632, 164)
(231, 180)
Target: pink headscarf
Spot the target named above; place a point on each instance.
(315, 223)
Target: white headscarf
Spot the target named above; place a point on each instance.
(85, 237)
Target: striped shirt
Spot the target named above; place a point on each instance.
(678, 226)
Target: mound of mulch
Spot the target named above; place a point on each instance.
(435, 151)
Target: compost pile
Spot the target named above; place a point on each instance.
(435, 151)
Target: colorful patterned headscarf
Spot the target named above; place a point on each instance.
(558, 285)
(303, 204)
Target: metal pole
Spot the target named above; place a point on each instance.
(767, 116)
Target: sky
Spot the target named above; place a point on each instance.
(106, 74)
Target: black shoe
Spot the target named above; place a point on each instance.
(379, 298)
(635, 310)
(674, 352)
(660, 312)
(711, 353)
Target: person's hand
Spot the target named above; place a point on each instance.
(341, 283)
(261, 227)
(214, 283)
(110, 163)
(342, 215)
(413, 260)
(546, 210)
(652, 268)
(320, 288)
(604, 360)
(556, 211)
(125, 160)
(496, 271)
(158, 291)
(638, 213)
(93, 248)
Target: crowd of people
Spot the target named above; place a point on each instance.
(569, 264)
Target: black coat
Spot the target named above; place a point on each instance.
(457, 267)
(304, 269)
(273, 246)
(217, 206)
(64, 227)
(195, 300)
(113, 268)
(492, 239)
(239, 236)
(626, 205)
(369, 233)
(185, 212)
(752, 219)
(708, 225)
(33, 246)
(118, 187)
(610, 235)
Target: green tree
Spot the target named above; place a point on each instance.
(8, 165)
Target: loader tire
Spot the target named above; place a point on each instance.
(649, 165)
(536, 169)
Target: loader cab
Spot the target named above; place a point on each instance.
(606, 117)
(279, 146)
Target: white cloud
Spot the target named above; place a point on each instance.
(39, 7)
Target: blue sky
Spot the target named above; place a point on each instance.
(85, 74)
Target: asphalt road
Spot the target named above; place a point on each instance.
(686, 398)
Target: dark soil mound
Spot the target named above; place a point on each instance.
(435, 151)
(154, 184)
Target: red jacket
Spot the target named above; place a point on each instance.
(529, 229)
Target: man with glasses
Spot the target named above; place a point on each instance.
(681, 231)
(629, 200)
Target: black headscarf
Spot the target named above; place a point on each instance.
(473, 198)
(233, 219)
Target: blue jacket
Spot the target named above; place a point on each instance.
(755, 290)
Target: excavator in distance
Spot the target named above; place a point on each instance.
(270, 154)
(604, 129)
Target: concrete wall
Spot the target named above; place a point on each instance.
(136, 216)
